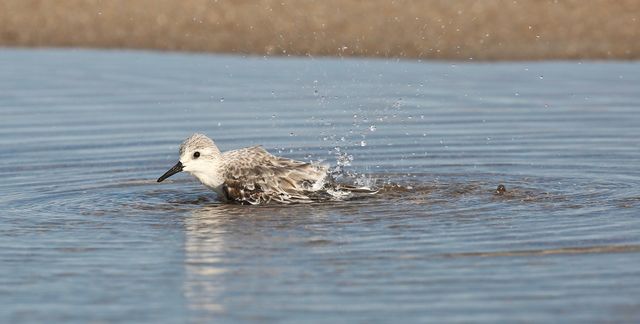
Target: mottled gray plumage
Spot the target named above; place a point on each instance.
(254, 176)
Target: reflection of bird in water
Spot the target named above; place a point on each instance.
(254, 176)
(204, 261)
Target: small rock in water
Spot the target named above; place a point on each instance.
(501, 189)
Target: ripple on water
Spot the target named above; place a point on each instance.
(81, 144)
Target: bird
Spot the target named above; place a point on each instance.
(254, 176)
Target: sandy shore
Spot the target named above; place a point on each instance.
(430, 29)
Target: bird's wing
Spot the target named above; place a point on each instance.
(252, 175)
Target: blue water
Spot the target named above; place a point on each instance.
(87, 235)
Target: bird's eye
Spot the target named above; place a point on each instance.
(196, 155)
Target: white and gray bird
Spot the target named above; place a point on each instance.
(254, 176)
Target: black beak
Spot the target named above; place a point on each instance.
(175, 169)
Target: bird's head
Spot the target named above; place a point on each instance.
(197, 154)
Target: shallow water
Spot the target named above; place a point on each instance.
(86, 234)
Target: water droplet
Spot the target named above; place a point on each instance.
(372, 128)
(292, 134)
(363, 143)
(221, 99)
(541, 77)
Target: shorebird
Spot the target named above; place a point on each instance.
(254, 176)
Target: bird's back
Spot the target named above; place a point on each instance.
(253, 175)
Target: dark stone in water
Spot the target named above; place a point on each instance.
(501, 189)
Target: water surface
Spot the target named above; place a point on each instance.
(86, 234)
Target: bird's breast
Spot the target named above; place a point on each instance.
(213, 181)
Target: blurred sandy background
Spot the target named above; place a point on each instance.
(441, 29)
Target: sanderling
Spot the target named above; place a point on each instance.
(253, 176)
